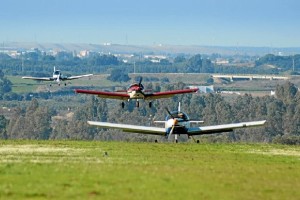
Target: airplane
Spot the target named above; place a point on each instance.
(178, 123)
(57, 76)
(136, 91)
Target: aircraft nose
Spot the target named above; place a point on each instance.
(175, 121)
(172, 122)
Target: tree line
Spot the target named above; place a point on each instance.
(281, 112)
(37, 63)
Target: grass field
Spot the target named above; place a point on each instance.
(119, 170)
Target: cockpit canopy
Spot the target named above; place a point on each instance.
(134, 86)
(56, 72)
(178, 115)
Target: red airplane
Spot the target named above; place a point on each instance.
(136, 91)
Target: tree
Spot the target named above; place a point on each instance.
(5, 84)
(3, 125)
(35, 123)
(118, 75)
(179, 59)
(194, 64)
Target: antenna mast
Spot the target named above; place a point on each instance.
(293, 64)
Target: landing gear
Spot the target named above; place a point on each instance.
(65, 84)
(156, 141)
(176, 138)
(150, 104)
(137, 104)
(122, 104)
(197, 141)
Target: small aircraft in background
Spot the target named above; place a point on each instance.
(178, 123)
(57, 76)
(136, 91)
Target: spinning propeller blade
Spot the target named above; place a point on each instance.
(140, 82)
(171, 132)
(169, 112)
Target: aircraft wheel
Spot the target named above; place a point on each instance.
(198, 141)
(150, 104)
(137, 104)
(176, 141)
(156, 141)
(123, 104)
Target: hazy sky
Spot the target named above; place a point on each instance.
(272, 23)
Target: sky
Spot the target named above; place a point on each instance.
(255, 23)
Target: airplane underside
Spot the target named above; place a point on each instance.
(137, 103)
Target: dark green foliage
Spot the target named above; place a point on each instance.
(118, 75)
(5, 84)
(282, 113)
(34, 62)
(287, 139)
(34, 123)
(3, 124)
(283, 62)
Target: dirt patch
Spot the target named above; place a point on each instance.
(281, 152)
(29, 149)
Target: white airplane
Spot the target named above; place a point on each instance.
(178, 123)
(57, 76)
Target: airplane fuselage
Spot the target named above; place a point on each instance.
(135, 91)
(180, 126)
(179, 120)
(57, 76)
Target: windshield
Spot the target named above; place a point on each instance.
(57, 72)
(178, 115)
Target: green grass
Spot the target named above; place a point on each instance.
(81, 170)
(21, 85)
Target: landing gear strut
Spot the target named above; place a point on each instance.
(197, 141)
(137, 104)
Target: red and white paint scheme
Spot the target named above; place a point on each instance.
(136, 91)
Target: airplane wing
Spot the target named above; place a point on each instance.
(131, 128)
(108, 95)
(223, 128)
(167, 94)
(38, 78)
(77, 77)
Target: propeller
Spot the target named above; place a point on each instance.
(171, 132)
(169, 113)
(140, 82)
(173, 124)
(172, 129)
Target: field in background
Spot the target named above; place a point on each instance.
(99, 81)
(119, 170)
